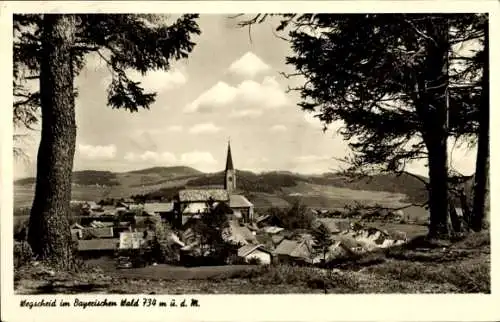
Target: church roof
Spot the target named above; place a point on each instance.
(190, 195)
(239, 201)
(229, 161)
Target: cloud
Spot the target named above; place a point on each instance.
(199, 159)
(248, 94)
(312, 120)
(175, 128)
(156, 81)
(278, 128)
(97, 152)
(152, 157)
(218, 95)
(248, 65)
(204, 128)
(246, 113)
(312, 158)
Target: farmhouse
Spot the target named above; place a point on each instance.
(258, 252)
(94, 248)
(290, 251)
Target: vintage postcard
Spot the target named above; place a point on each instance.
(249, 161)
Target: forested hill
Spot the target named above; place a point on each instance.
(160, 180)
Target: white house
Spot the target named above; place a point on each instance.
(249, 252)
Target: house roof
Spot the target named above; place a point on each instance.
(239, 201)
(100, 232)
(333, 225)
(100, 224)
(248, 249)
(77, 226)
(273, 229)
(293, 248)
(98, 244)
(190, 195)
(277, 238)
(239, 234)
(286, 247)
(156, 207)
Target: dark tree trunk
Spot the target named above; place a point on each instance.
(435, 125)
(49, 233)
(482, 160)
(438, 189)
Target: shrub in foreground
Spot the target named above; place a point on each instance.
(22, 253)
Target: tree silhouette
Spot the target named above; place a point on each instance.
(397, 84)
(52, 48)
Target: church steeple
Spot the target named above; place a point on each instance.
(230, 172)
(229, 160)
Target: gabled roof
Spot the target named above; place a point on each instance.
(101, 232)
(156, 207)
(190, 195)
(239, 234)
(76, 226)
(248, 249)
(294, 249)
(333, 225)
(98, 244)
(239, 201)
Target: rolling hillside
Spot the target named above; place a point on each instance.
(264, 189)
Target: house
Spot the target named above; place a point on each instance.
(332, 225)
(158, 208)
(193, 203)
(91, 206)
(273, 230)
(238, 234)
(131, 240)
(94, 248)
(258, 252)
(76, 231)
(242, 208)
(292, 251)
(164, 210)
(338, 250)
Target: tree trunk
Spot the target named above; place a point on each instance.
(49, 233)
(482, 160)
(436, 124)
(438, 189)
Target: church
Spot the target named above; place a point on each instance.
(194, 203)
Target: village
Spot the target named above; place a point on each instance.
(126, 230)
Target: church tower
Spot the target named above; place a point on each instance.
(230, 172)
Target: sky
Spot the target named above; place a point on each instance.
(230, 88)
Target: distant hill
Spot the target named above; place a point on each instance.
(264, 189)
(131, 178)
(179, 171)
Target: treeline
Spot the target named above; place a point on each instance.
(247, 181)
(84, 178)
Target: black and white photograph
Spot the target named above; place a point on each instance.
(249, 153)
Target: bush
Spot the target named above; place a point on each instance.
(310, 276)
(161, 250)
(467, 278)
(254, 261)
(22, 253)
